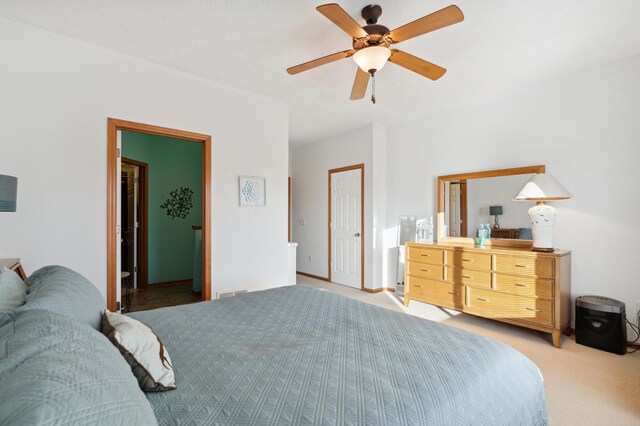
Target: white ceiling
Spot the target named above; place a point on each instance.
(500, 46)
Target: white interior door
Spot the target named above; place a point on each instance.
(346, 228)
(455, 220)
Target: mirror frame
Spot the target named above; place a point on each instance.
(442, 239)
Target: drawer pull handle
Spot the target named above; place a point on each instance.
(425, 270)
(425, 255)
(417, 286)
(482, 300)
(467, 260)
(468, 277)
(455, 294)
(523, 285)
(522, 266)
(534, 309)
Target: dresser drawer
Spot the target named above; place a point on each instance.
(496, 305)
(437, 292)
(468, 277)
(524, 285)
(429, 255)
(424, 270)
(469, 260)
(532, 266)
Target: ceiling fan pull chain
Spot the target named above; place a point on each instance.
(373, 87)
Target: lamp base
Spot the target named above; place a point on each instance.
(542, 218)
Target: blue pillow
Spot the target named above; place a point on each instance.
(62, 290)
(55, 370)
(13, 291)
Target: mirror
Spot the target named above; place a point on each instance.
(467, 200)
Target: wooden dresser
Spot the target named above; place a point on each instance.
(518, 286)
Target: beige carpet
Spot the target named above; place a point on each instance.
(584, 386)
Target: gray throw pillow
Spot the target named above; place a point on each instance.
(13, 291)
(55, 370)
(62, 290)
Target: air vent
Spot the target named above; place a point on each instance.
(229, 294)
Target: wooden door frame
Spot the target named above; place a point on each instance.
(113, 180)
(142, 248)
(463, 208)
(346, 169)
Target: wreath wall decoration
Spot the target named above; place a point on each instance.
(179, 203)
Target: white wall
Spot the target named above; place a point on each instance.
(309, 171)
(379, 211)
(584, 127)
(56, 96)
(496, 191)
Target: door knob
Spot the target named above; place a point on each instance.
(357, 234)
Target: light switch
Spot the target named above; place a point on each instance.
(302, 222)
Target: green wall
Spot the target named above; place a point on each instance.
(173, 163)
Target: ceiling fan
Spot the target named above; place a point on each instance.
(372, 44)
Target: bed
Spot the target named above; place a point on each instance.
(300, 355)
(285, 356)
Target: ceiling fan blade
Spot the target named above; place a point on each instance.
(360, 85)
(417, 65)
(338, 16)
(443, 18)
(320, 61)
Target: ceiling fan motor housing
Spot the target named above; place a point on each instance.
(371, 13)
(375, 32)
(376, 29)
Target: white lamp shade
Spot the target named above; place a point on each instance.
(542, 187)
(372, 58)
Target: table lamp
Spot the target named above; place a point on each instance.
(8, 193)
(540, 188)
(495, 211)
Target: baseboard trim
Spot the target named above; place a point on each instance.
(187, 281)
(368, 290)
(317, 277)
(378, 290)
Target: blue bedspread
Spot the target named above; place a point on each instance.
(299, 355)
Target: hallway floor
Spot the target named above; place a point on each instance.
(161, 296)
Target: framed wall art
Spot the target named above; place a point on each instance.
(252, 191)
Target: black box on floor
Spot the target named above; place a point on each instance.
(600, 323)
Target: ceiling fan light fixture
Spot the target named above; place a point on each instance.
(372, 59)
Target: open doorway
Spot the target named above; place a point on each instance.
(158, 217)
(133, 208)
(172, 175)
(457, 219)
